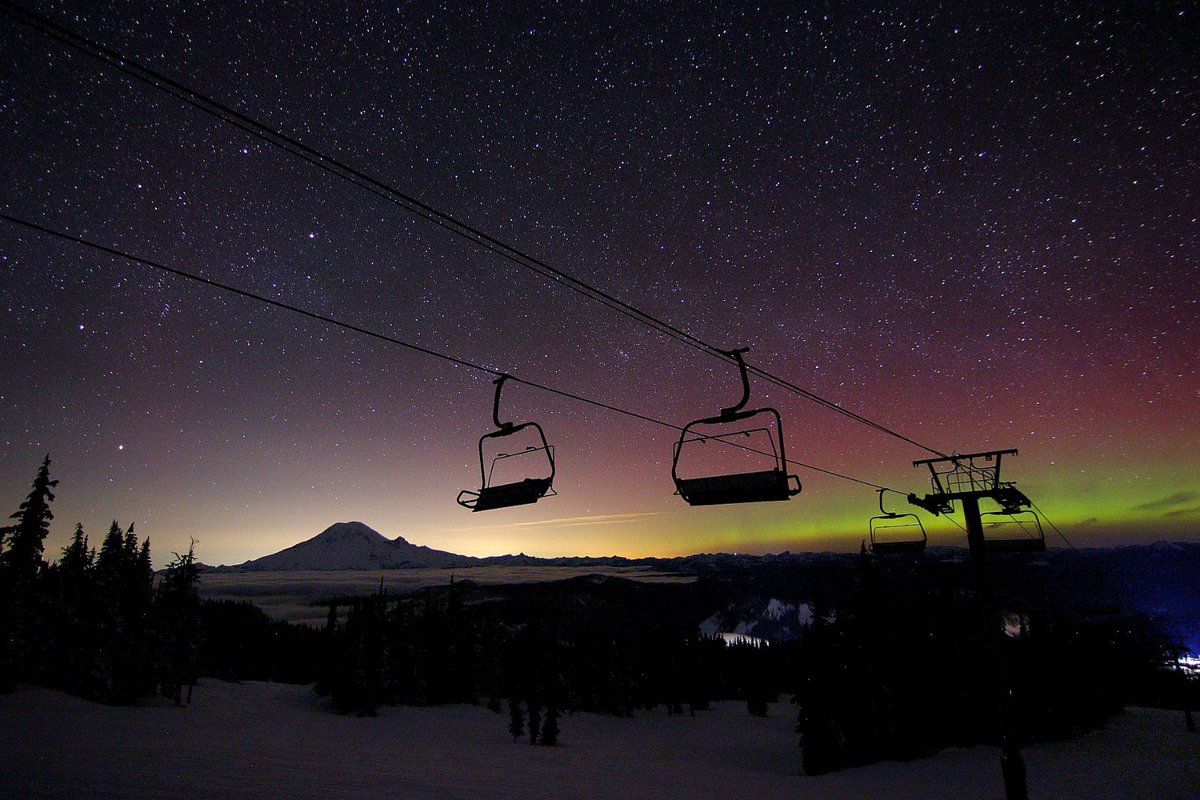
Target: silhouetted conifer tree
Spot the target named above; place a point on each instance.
(516, 718)
(24, 541)
(110, 566)
(461, 635)
(125, 668)
(76, 558)
(535, 719)
(358, 682)
(110, 623)
(327, 675)
(550, 728)
(76, 634)
(178, 616)
(21, 564)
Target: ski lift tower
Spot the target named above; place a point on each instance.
(969, 478)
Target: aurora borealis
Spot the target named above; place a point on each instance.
(976, 224)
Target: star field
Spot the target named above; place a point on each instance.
(976, 224)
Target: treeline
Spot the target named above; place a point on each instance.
(895, 664)
(93, 623)
(605, 645)
(240, 642)
(903, 663)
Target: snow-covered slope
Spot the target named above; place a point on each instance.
(353, 545)
(263, 741)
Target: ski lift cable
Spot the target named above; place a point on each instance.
(1105, 579)
(423, 210)
(462, 362)
(335, 167)
(1053, 527)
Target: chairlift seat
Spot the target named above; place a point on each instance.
(1006, 541)
(1024, 544)
(740, 487)
(895, 534)
(520, 493)
(898, 547)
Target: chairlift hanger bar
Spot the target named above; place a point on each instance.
(334, 166)
(734, 409)
(496, 403)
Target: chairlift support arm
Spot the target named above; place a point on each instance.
(883, 510)
(737, 354)
(496, 403)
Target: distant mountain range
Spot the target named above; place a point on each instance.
(355, 545)
(1161, 580)
(351, 545)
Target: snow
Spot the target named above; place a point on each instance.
(776, 609)
(741, 638)
(276, 741)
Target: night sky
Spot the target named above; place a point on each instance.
(976, 225)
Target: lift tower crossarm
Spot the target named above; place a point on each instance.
(964, 479)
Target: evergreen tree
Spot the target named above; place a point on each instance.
(178, 612)
(76, 636)
(22, 558)
(358, 681)
(21, 565)
(144, 569)
(328, 670)
(550, 728)
(136, 671)
(516, 718)
(535, 719)
(110, 561)
(124, 591)
(76, 558)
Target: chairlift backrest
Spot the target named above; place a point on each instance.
(772, 484)
(893, 533)
(521, 492)
(1012, 530)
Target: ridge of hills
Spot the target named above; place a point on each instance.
(1157, 579)
(357, 546)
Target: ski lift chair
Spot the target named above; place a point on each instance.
(895, 534)
(741, 487)
(515, 493)
(1015, 528)
(1012, 530)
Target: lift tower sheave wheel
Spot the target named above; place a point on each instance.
(512, 493)
(752, 486)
